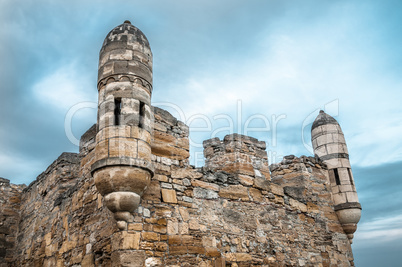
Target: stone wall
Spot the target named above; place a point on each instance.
(232, 212)
(170, 136)
(236, 153)
(10, 199)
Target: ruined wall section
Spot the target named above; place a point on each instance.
(40, 208)
(169, 137)
(241, 155)
(198, 216)
(10, 200)
(63, 220)
(306, 185)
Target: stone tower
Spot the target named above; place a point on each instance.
(330, 146)
(122, 168)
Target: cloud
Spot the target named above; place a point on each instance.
(25, 169)
(379, 188)
(378, 242)
(63, 88)
(378, 238)
(380, 230)
(295, 70)
(378, 254)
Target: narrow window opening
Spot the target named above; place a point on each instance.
(117, 111)
(350, 176)
(337, 180)
(142, 113)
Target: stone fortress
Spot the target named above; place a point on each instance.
(131, 198)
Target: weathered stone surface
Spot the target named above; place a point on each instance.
(128, 258)
(246, 180)
(181, 173)
(169, 196)
(238, 257)
(295, 192)
(205, 193)
(256, 195)
(234, 192)
(198, 183)
(153, 192)
(121, 178)
(124, 240)
(219, 218)
(10, 204)
(262, 183)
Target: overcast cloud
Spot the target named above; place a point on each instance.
(279, 61)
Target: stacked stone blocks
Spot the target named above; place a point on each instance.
(123, 167)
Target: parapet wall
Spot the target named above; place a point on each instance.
(237, 154)
(233, 211)
(170, 136)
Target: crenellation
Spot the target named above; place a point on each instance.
(236, 155)
(88, 141)
(170, 137)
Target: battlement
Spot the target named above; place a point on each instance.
(170, 136)
(234, 143)
(283, 172)
(237, 154)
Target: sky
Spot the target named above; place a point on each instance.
(261, 68)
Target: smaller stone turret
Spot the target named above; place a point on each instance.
(330, 146)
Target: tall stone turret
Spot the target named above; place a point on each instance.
(330, 146)
(122, 168)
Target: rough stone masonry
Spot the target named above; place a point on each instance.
(131, 198)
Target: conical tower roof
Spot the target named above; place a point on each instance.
(323, 119)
